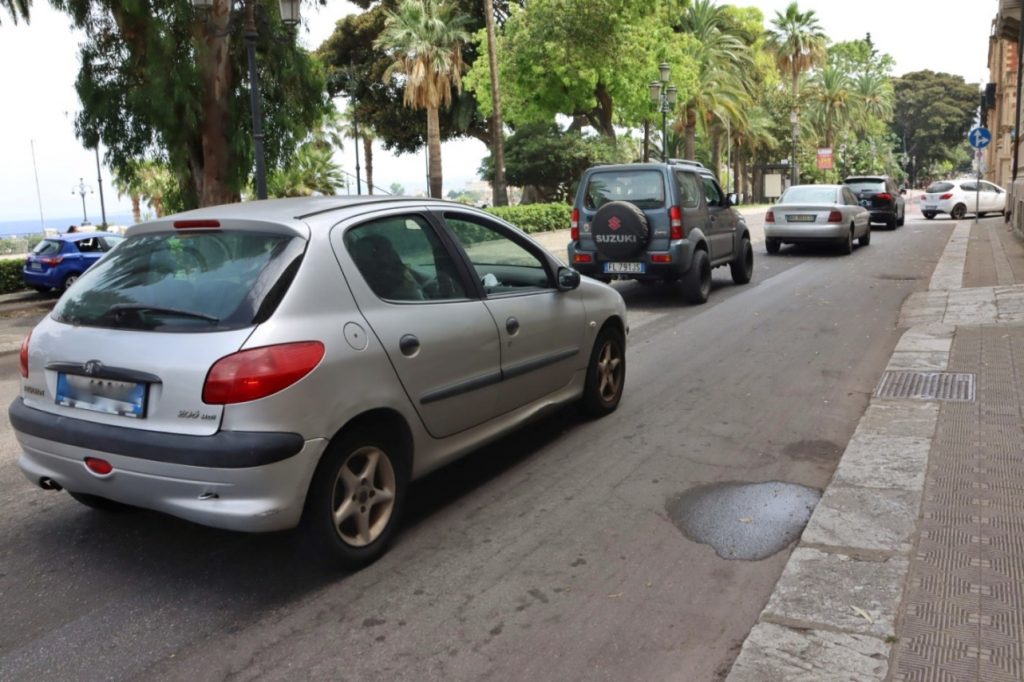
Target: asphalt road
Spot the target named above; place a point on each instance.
(550, 555)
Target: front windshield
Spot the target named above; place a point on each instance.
(810, 195)
(181, 281)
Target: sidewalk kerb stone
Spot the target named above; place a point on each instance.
(773, 653)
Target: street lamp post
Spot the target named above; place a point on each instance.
(81, 189)
(664, 96)
(794, 120)
(290, 18)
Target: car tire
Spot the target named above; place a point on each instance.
(697, 280)
(743, 267)
(958, 212)
(772, 245)
(982, 214)
(846, 246)
(928, 215)
(865, 238)
(901, 221)
(606, 374)
(69, 280)
(42, 290)
(369, 473)
(891, 222)
(98, 503)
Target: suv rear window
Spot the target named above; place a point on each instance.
(937, 187)
(184, 282)
(868, 184)
(644, 188)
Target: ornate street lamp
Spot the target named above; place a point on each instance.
(665, 97)
(81, 189)
(290, 18)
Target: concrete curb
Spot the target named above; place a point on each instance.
(832, 614)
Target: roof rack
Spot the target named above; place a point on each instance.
(686, 162)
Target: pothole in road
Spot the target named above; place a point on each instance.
(746, 521)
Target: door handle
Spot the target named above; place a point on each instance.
(409, 345)
(512, 326)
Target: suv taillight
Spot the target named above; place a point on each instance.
(835, 217)
(946, 196)
(675, 223)
(884, 196)
(259, 372)
(574, 226)
(769, 217)
(23, 356)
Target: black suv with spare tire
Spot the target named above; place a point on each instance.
(652, 222)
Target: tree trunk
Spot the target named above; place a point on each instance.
(499, 189)
(368, 153)
(136, 208)
(434, 152)
(217, 76)
(716, 157)
(691, 133)
(604, 111)
(741, 174)
(647, 141)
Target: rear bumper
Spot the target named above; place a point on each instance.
(806, 233)
(40, 278)
(236, 495)
(679, 253)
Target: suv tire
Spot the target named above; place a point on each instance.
(743, 267)
(697, 280)
(625, 223)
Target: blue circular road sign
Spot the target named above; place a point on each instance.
(979, 137)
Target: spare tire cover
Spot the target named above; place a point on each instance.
(620, 230)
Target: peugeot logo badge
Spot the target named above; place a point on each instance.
(93, 367)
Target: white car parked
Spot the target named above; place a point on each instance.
(957, 198)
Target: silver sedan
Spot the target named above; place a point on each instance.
(817, 213)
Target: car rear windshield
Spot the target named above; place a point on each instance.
(48, 247)
(937, 187)
(809, 195)
(865, 184)
(644, 188)
(185, 282)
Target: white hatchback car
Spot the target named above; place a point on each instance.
(957, 198)
(268, 364)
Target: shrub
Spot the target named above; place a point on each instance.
(535, 217)
(10, 275)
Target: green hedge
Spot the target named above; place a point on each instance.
(535, 217)
(10, 275)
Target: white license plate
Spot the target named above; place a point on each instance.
(125, 398)
(800, 218)
(625, 268)
(930, 207)
(35, 266)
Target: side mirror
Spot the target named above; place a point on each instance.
(733, 199)
(568, 279)
(903, 192)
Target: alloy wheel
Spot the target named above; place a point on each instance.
(363, 498)
(609, 371)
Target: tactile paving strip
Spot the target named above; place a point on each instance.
(951, 386)
(962, 616)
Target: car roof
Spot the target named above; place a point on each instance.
(866, 177)
(814, 184)
(79, 236)
(675, 164)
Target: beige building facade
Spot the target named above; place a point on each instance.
(1007, 29)
(1003, 62)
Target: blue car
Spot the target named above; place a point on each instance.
(57, 262)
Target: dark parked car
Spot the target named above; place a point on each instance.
(880, 195)
(57, 262)
(658, 222)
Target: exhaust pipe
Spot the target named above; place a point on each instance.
(49, 484)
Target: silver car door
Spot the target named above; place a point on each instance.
(541, 328)
(439, 337)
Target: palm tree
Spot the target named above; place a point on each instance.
(426, 38)
(873, 97)
(799, 45)
(831, 101)
(311, 170)
(126, 183)
(155, 180)
(17, 8)
(499, 195)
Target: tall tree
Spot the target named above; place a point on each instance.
(17, 8)
(426, 38)
(499, 193)
(158, 79)
(832, 100)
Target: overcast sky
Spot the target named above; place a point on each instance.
(40, 62)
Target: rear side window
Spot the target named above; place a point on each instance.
(48, 247)
(866, 184)
(689, 190)
(644, 188)
(184, 282)
(937, 187)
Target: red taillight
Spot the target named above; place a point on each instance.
(196, 224)
(835, 217)
(574, 226)
(51, 260)
(675, 222)
(582, 258)
(769, 217)
(661, 257)
(946, 196)
(259, 372)
(884, 196)
(99, 466)
(23, 357)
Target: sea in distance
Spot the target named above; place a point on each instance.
(30, 226)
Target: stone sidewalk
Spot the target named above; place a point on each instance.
(910, 567)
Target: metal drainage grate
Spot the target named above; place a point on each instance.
(927, 386)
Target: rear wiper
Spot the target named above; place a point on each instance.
(120, 308)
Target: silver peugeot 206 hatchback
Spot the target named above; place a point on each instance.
(266, 365)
